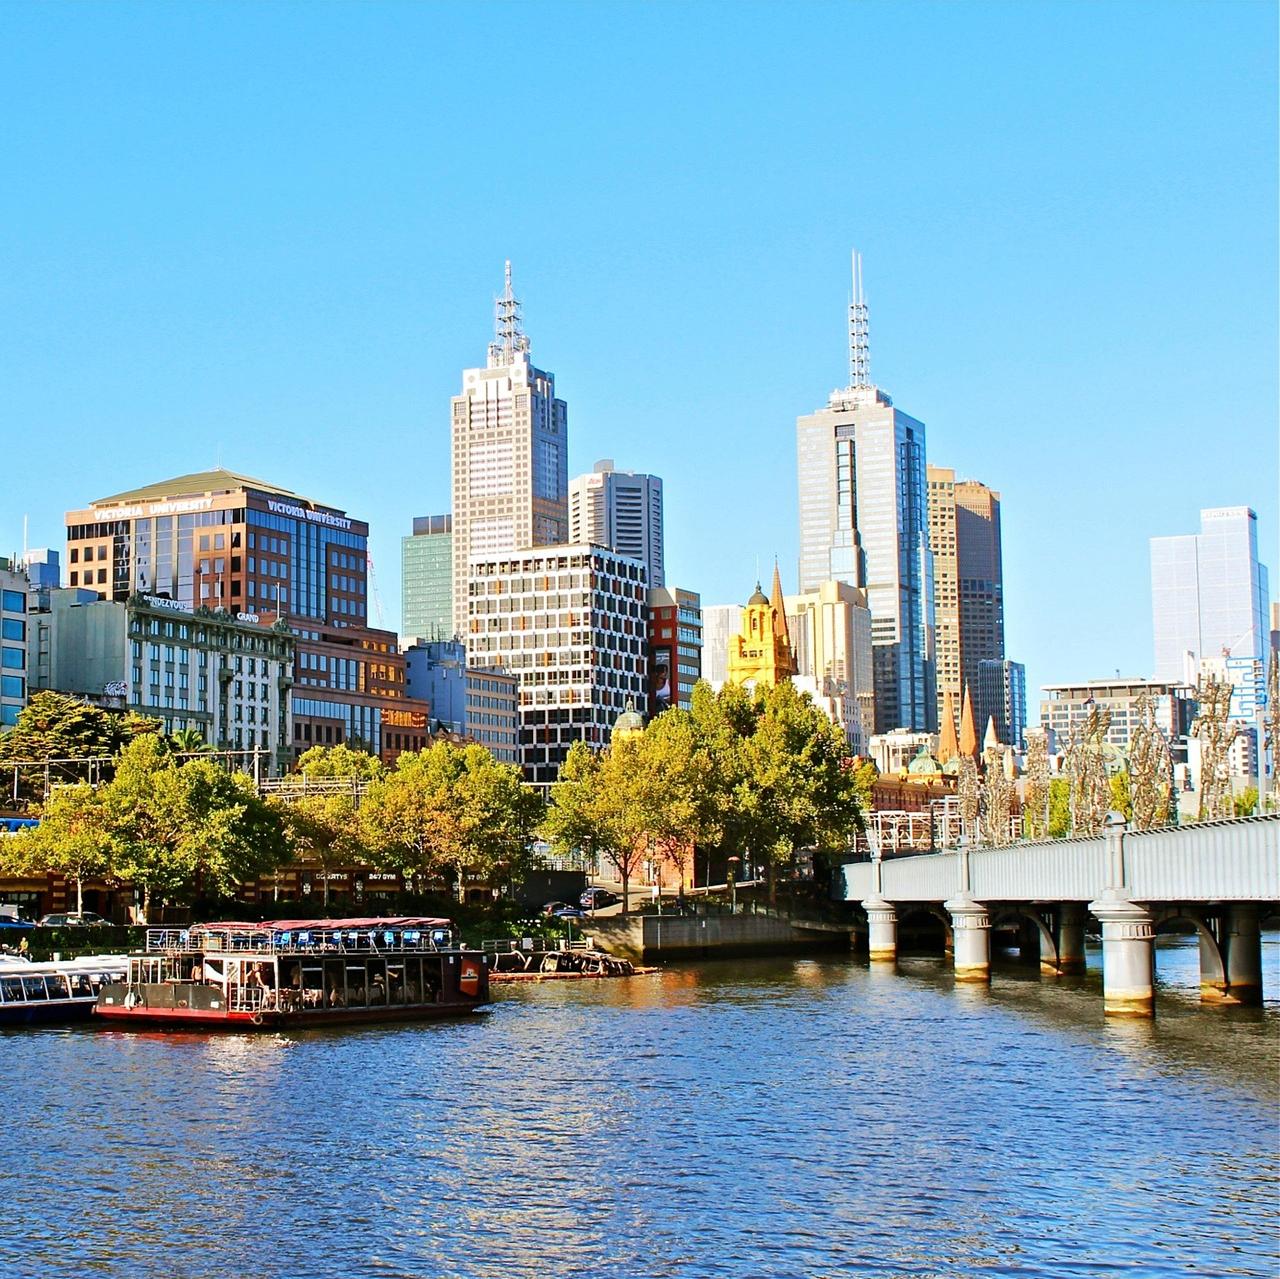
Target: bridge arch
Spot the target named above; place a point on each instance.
(1213, 967)
(908, 911)
(1048, 942)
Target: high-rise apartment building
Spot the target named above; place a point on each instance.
(675, 648)
(14, 661)
(510, 456)
(426, 579)
(570, 622)
(968, 581)
(1209, 593)
(621, 510)
(864, 521)
(223, 542)
(830, 630)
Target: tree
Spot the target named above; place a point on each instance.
(1121, 794)
(1246, 803)
(453, 808)
(319, 805)
(1059, 808)
(71, 839)
(188, 741)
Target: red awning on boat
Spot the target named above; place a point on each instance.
(294, 925)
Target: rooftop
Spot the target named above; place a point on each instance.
(218, 480)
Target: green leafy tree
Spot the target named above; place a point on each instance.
(1121, 794)
(1246, 803)
(1059, 808)
(319, 804)
(452, 809)
(188, 741)
(71, 839)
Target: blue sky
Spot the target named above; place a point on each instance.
(270, 235)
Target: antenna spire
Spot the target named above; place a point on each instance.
(859, 331)
(509, 338)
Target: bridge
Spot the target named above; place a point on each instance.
(1222, 878)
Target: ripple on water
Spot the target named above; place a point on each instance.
(760, 1119)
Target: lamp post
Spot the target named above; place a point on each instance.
(733, 863)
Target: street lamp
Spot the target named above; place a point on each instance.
(734, 862)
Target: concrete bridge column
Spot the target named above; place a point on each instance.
(1070, 931)
(1242, 941)
(971, 931)
(882, 930)
(1128, 957)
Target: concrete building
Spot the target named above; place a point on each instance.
(864, 521)
(426, 579)
(1000, 694)
(14, 662)
(1067, 705)
(228, 679)
(968, 580)
(621, 510)
(223, 541)
(675, 647)
(1209, 594)
(892, 752)
(830, 630)
(478, 703)
(720, 623)
(510, 456)
(570, 623)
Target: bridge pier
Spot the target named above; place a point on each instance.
(1128, 957)
(1242, 941)
(882, 930)
(1069, 933)
(971, 933)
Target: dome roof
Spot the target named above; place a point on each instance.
(758, 598)
(630, 721)
(923, 764)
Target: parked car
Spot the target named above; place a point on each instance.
(594, 898)
(569, 912)
(72, 919)
(551, 908)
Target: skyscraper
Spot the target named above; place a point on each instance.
(968, 581)
(863, 520)
(621, 510)
(1209, 593)
(510, 455)
(426, 579)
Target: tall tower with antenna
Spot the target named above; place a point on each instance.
(864, 522)
(510, 453)
(859, 331)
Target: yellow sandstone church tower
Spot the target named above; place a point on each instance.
(760, 654)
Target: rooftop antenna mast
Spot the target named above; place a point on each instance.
(509, 338)
(859, 331)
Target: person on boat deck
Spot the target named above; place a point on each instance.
(335, 996)
(378, 990)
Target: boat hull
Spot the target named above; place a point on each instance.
(47, 1013)
(271, 1020)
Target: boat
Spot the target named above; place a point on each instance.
(297, 973)
(518, 965)
(59, 991)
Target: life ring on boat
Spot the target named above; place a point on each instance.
(256, 1019)
(469, 978)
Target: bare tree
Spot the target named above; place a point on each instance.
(1215, 733)
(1036, 796)
(1150, 767)
(1086, 769)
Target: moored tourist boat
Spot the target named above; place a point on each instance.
(63, 990)
(307, 972)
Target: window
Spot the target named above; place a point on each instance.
(14, 602)
(12, 629)
(12, 659)
(11, 685)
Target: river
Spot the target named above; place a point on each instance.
(788, 1118)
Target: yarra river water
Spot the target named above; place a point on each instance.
(786, 1118)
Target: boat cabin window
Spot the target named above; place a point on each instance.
(57, 985)
(81, 985)
(11, 990)
(34, 987)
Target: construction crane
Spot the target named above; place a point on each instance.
(373, 590)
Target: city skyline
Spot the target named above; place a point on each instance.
(1039, 320)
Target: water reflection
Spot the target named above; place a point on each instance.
(770, 1118)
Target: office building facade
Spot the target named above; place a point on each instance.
(570, 623)
(231, 544)
(1209, 593)
(426, 579)
(675, 647)
(968, 581)
(510, 456)
(830, 631)
(1066, 706)
(230, 680)
(14, 659)
(720, 623)
(623, 511)
(1000, 697)
(479, 703)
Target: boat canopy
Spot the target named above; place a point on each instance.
(293, 925)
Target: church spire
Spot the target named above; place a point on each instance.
(778, 600)
(859, 330)
(968, 731)
(948, 747)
